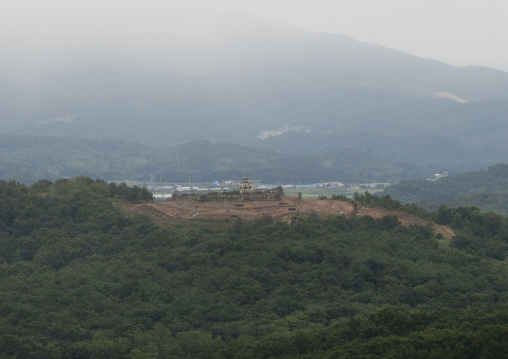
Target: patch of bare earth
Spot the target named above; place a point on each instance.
(283, 210)
(406, 219)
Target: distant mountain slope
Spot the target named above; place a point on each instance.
(440, 134)
(30, 158)
(486, 189)
(347, 95)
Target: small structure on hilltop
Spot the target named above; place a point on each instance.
(246, 192)
(246, 186)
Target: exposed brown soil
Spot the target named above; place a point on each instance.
(406, 219)
(283, 210)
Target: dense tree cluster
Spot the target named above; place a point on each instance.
(82, 278)
(484, 234)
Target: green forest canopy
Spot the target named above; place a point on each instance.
(83, 278)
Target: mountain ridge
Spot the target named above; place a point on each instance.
(349, 95)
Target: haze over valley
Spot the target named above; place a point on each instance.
(317, 94)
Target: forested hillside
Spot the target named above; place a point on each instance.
(485, 189)
(29, 158)
(83, 278)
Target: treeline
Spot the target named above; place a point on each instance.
(479, 233)
(63, 186)
(386, 202)
(83, 278)
(485, 189)
(493, 202)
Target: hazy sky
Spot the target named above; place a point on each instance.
(458, 32)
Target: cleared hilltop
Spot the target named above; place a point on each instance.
(283, 210)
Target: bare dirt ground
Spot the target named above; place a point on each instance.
(406, 219)
(283, 210)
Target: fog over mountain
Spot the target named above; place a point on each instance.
(268, 86)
